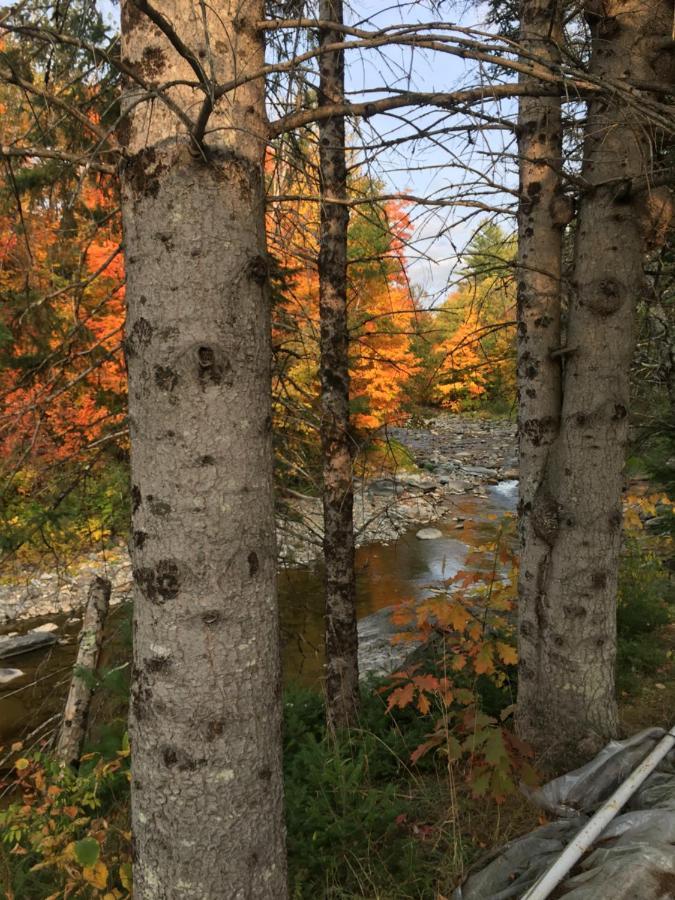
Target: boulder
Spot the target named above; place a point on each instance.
(454, 485)
(423, 482)
(429, 534)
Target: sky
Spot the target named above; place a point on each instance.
(434, 170)
(441, 169)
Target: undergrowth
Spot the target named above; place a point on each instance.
(363, 820)
(646, 604)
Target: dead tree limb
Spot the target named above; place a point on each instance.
(71, 736)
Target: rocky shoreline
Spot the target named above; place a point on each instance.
(454, 455)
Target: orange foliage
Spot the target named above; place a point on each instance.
(380, 303)
(63, 376)
(473, 639)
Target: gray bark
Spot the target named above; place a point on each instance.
(570, 694)
(76, 713)
(342, 676)
(207, 804)
(541, 223)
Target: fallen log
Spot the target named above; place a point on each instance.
(74, 726)
(25, 643)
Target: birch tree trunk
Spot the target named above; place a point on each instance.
(342, 675)
(76, 713)
(206, 700)
(577, 511)
(542, 216)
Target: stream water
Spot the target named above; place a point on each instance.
(408, 568)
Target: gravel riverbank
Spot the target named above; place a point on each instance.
(454, 455)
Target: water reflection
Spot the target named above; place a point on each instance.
(386, 574)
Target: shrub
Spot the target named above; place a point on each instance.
(65, 833)
(358, 823)
(645, 604)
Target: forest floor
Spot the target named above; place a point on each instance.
(363, 822)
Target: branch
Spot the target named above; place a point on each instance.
(45, 153)
(174, 39)
(452, 101)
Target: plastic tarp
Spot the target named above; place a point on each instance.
(634, 858)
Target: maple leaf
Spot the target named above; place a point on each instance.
(480, 783)
(434, 741)
(402, 615)
(423, 703)
(507, 653)
(426, 682)
(401, 697)
(494, 748)
(454, 615)
(475, 631)
(458, 662)
(483, 663)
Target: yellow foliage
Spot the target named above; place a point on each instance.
(96, 875)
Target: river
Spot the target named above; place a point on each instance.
(387, 573)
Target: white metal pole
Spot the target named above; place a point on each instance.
(543, 887)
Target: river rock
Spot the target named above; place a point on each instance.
(429, 534)
(416, 510)
(24, 643)
(423, 482)
(385, 486)
(47, 628)
(480, 471)
(9, 675)
(377, 655)
(454, 485)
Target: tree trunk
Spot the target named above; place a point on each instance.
(541, 223)
(76, 714)
(342, 676)
(206, 699)
(577, 508)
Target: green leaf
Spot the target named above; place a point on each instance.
(126, 876)
(495, 751)
(87, 851)
(480, 784)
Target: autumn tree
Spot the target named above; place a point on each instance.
(466, 346)
(205, 718)
(381, 312)
(62, 431)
